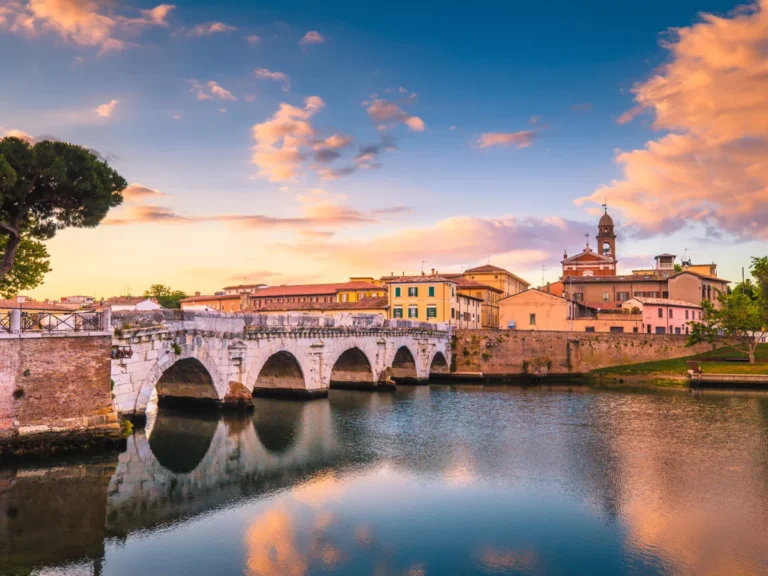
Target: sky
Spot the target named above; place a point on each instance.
(303, 141)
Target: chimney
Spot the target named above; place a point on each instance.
(197, 293)
(433, 271)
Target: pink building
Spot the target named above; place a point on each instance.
(665, 316)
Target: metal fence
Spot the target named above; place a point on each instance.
(52, 322)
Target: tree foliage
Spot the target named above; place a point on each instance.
(166, 297)
(49, 186)
(741, 315)
(31, 265)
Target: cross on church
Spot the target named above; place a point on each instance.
(587, 237)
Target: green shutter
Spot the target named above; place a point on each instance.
(431, 290)
(416, 291)
(397, 292)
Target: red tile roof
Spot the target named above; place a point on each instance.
(213, 297)
(364, 304)
(665, 302)
(32, 305)
(426, 279)
(467, 283)
(312, 289)
(490, 268)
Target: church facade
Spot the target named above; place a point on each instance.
(600, 262)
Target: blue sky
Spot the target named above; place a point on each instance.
(559, 72)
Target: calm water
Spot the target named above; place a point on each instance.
(426, 481)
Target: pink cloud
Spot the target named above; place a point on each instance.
(210, 91)
(312, 37)
(383, 112)
(106, 110)
(210, 28)
(253, 39)
(521, 139)
(266, 74)
(712, 99)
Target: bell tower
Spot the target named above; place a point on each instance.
(606, 238)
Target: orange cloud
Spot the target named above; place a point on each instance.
(135, 192)
(521, 139)
(383, 112)
(312, 37)
(253, 39)
(210, 91)
(210, 28)
(82, 22)
(712, 96)
(106, 110)
(266, 74)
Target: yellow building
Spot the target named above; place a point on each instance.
(423, 298)
(489, 295)
(496, 277)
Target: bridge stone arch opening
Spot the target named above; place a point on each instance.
(439, 365)
(404, 366)
(186, 381)
(352, 369)
(280, 373)
(180, 442)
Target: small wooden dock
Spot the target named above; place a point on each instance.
(740, 381)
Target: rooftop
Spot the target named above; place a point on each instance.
(665, 302)
(490, 268)
(363, 304)
(244, 286)
(7, 304)
(426, 279)
(312, 289)
(203, 297)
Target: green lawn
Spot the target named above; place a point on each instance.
(678, 365)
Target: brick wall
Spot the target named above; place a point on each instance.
(504, 351)
(55, 388)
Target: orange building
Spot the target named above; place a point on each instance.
(218, 302)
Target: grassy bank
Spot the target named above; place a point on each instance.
(674, 372)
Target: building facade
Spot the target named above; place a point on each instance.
(600, 262)
(217, 302)
(664, 315)
(469, 312)
(353, 291)
(426, 298)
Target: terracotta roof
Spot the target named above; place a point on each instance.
(589, 251)
(468, 297)
(127, 300)
(665, 302)
(601, 305)
(486, 268)
(312, 289)
(559, 297)
(244, 286)
(426, 279)
(621, 278)
(705, 276)
(467, 283)
(32, 305)
(364, 304)
(214, 297)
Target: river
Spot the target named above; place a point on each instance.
(429, 480)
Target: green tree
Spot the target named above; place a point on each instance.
(166, 297)
(741, 317)
(49, 186)
(30, 266)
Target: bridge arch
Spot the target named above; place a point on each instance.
(189, 375)
(404, 367)
(438, 364)
(352, 368)
(281, 370)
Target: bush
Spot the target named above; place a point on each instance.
(126, 428)
(176, 348)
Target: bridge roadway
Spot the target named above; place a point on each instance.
(222, 359)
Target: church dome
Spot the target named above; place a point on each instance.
(606, 220)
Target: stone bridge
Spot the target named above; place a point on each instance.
(222, 359)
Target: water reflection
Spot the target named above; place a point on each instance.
(428, 480)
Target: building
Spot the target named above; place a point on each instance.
(27, 305)
(610, 292)
(221, 302)
(242, 289)
(498, 278)
(78, 300)
(119, 303)
(666, 267)
(603, 262)
(664, 315)
(538, 310)
(375, 306)
(429, 298)
(352, 291)
(469, 312)
(489, 295)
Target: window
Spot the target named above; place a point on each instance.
(661, 313)
(589, 329)
(617, 329)
(431, 291)
(431, 311)
(397, 292)
(649, 329)
(606, 296)
(453, 313)
(453, 291)
(677, 330)
(665, 294)
(397, 312)
(413, 312)
(622, 296)
(578, 296)
(670, 312)
(661, 330)
(413, 291)
(532, 320)
(686, 314)
(634, 329)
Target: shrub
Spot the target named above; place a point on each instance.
(126, 428)
(176, 348)
(486, 356)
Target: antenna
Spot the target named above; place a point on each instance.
(422, 267)
(543, 269)
(587, 237)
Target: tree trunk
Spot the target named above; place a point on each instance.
(9, 256)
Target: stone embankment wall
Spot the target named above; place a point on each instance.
(55, 391)
(502, 352)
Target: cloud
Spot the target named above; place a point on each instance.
(455, 242)
(106, 110)
(312, 37)
(253, 39)
(136, 192)
(629, 115)
(711, 99)
(384, 112)
(86, 23)
(521, 139)
(210, 91)
(209, 28)
(16, 133)
(265, 74)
